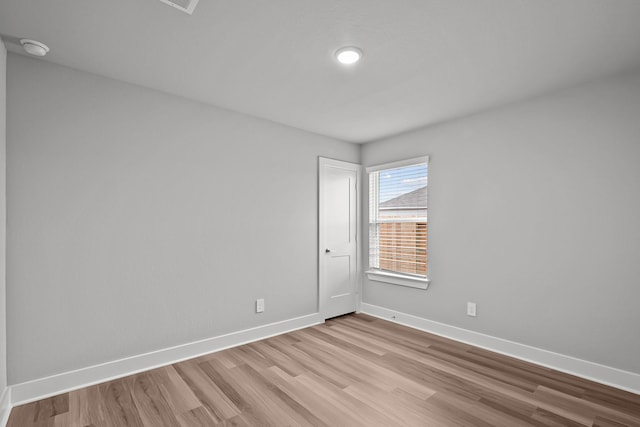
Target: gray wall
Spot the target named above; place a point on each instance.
(534, 214)
(139, 220)
(3, 217)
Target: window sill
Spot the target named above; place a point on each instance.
(398, 279)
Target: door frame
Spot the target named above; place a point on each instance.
(322, 289)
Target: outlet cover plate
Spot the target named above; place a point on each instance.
(471, 309)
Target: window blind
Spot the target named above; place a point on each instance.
(398, 219)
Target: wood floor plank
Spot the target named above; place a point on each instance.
(283, 361)
(584, 407)
(151, 405)
(119, 408)
(311, 364)
(174, 390)
(85, 406)
(604, 422)
(393, 404)
(48, 408)
(207, 392)
(266, 399)
(354, 370)
(363, 369)
(352, 411)
(197, 417)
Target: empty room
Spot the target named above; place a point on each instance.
(319, 213)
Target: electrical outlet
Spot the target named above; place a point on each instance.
(471, 309)
(259, 305)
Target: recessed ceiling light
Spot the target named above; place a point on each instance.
(348, 55)
(33, 47)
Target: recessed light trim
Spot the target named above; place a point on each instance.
(33, 47)
(186, 6)
(348, 55)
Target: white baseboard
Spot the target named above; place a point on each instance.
(61, 383)
(614, 377)
(5, 406)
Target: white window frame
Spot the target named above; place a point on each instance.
(393, 277)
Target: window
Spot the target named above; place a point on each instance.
(398, 223)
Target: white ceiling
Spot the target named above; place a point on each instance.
(424, 61)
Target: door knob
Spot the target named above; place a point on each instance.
(326, 251)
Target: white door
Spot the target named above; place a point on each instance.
(338, 236)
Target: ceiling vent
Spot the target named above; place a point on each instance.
(186, 6)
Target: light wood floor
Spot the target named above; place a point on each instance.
(354, 370)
